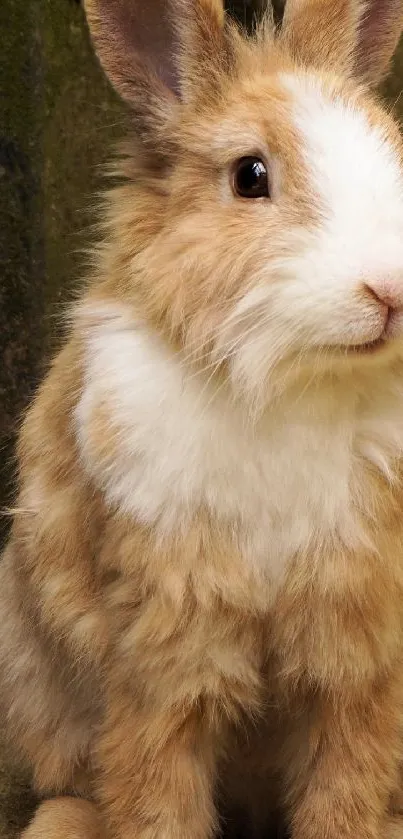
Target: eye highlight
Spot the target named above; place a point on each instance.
(250, 179)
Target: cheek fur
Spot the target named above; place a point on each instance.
(313, 297)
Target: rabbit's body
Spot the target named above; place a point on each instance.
(202, 594)
(210, 607)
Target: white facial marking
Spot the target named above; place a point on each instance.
(315, 295)
(356, 174)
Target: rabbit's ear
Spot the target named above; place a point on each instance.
(353, 37)
(147, 47)
(380, 28)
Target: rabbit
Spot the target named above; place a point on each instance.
(201, 598)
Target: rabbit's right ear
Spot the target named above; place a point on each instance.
(147, 48)
(356, 38)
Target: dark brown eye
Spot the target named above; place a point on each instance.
(250, 178)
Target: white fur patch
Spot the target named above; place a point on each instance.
(312, 297)
(357, 177)
(177, 447)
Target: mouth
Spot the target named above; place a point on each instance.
(366, 349)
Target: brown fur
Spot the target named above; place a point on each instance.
(144, 675)
(64, 817)
(363, 46)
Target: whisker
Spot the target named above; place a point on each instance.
(188, 358)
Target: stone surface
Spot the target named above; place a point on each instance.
(58, 118)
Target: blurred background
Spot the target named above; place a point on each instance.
(58, 121)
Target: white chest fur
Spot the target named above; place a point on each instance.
(174, 449)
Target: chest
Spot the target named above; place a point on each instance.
(163, 446)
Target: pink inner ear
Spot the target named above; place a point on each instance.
(141, 31)
(379, 33)
(153, 36)
(372, 26)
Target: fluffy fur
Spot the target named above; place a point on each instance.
(201, 595)
(65, 817)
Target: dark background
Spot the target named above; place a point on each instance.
(58, 120)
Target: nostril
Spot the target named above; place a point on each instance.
(386, 295)
(370, 292)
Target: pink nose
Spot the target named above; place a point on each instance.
(388, 292)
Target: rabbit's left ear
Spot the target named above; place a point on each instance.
(157, 51)
(351, 37)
